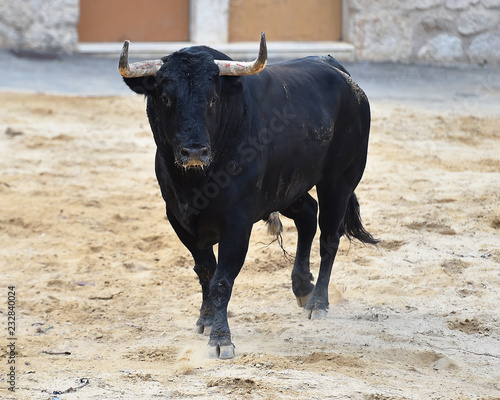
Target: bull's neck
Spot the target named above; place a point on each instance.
(232, 120)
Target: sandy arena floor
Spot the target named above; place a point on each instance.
(105, 291)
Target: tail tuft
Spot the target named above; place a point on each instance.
(352, 223)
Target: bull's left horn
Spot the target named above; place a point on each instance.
(137, 69)
(238, 68)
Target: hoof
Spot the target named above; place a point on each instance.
(318, 314)
(203, 329)
(302, 301)
(226, 352)
(315, 314)
(222, 352)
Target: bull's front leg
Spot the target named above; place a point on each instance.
(233, 247)
(205, 265)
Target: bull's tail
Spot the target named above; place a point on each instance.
(353, 228)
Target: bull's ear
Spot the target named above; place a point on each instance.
(144, 85)
(232, 85)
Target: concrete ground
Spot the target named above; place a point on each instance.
(449, 89)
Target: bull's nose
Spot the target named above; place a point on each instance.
(194, 156)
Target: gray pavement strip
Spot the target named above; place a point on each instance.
(462, 87)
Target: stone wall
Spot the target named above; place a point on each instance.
(443, 32)
(39, 25)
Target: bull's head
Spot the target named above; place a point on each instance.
(186, 97)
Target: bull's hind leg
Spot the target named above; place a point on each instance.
(304, 214)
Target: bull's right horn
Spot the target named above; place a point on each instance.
(137, 69)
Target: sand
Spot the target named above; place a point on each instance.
(105, 291)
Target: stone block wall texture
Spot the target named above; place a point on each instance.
(440, 32)
(39, 25)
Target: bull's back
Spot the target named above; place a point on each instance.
(317, 90)
(297, 109)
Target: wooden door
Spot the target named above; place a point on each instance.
(140, 21)
(285, 20)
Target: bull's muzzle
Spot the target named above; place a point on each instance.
(193, 157)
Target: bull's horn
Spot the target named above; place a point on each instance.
(137, 69)
(236, 68)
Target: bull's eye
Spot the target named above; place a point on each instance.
(213, 102)
(167, 100)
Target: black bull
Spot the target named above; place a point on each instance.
(232, 150)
